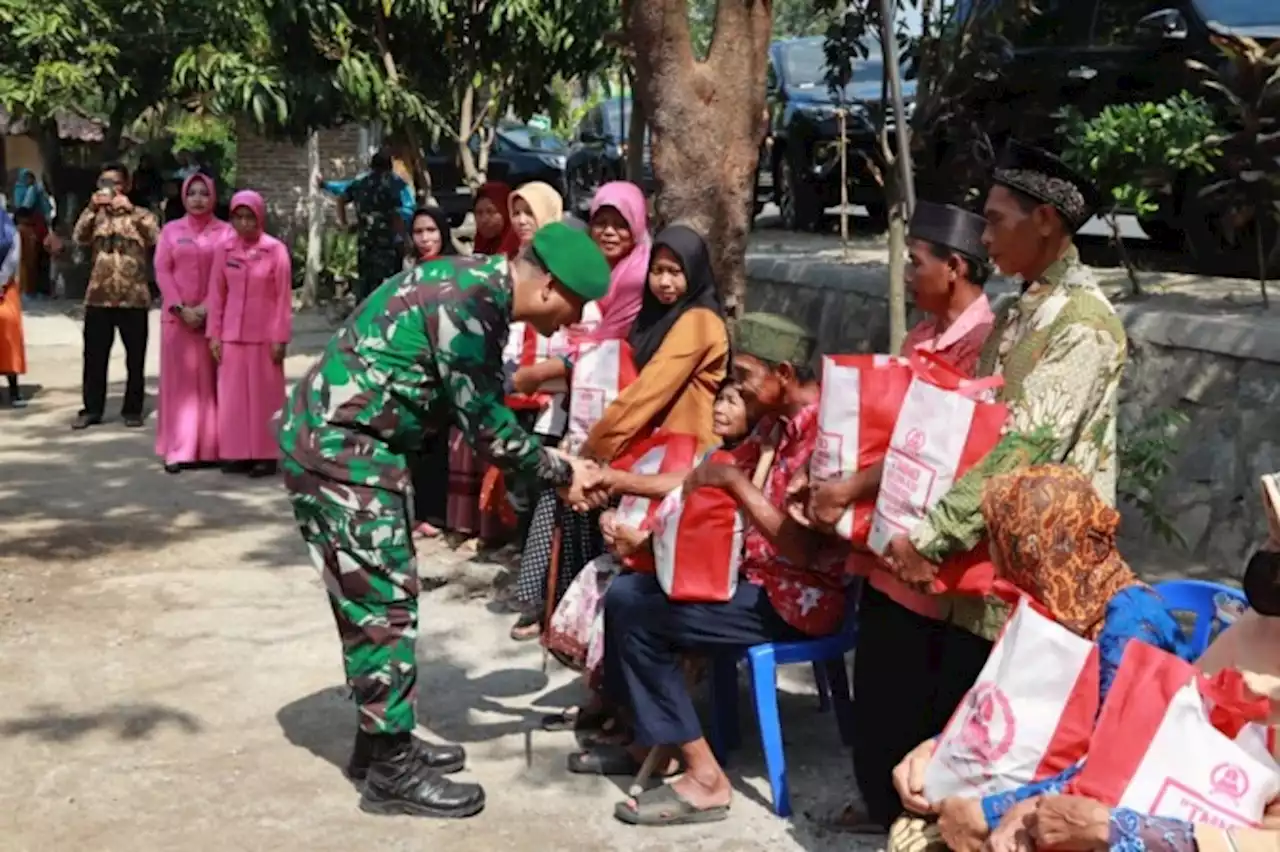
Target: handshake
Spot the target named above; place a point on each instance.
(591, 487)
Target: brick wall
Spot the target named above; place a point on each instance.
(278, 170)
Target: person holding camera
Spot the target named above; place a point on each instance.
(118, 235)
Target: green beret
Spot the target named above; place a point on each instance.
(774, 339)
(572, 259)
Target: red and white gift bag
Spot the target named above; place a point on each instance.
(1028, 716)
(662, 452)
(697, 544)
(861, 397)
(603, 369)
(524, 348)
(1173, 742)
(944, 428)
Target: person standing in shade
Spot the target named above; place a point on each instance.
(899, 627)
(1061, 350)
(380, 226)
(249, 324)
(119, 237)
(187, 427)
(422, 352)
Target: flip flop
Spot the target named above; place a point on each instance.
(664, 806)
(608, 760)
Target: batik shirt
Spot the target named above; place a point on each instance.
(118, 242)
(423, 352)
(808, 597)
(1061, 350)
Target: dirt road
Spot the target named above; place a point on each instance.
(172, 680)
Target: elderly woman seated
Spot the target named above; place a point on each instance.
(1085, 585)
(792, 586)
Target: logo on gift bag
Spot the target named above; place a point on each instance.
(915, 442)
(989, 727)
(826, 456)
(1228, 780)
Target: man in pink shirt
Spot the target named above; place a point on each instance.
(902, 691)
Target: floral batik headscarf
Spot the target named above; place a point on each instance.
(1054, 538)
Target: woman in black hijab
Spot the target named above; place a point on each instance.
(680, 346)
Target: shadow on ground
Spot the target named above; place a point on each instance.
(128, 722)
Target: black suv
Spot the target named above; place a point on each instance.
(804, 151)
(598, 153)
(1093, 53)
(519, 154)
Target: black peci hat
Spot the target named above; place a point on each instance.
(1042, 176)
(950, 227)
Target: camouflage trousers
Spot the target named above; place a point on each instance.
(361, 543)
(375, 265)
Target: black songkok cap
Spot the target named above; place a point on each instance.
(949, 226)
(1042, 176)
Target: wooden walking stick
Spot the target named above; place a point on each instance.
(553, 580)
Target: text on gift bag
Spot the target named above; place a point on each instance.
(602, 371)
(1173, 742)
(1028, 716)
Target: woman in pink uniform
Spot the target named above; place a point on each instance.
(249, 326)
(187, 429)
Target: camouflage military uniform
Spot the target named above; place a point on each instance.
(376, 196)
(422, 353)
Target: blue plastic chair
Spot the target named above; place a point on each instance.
(1201, 598)
(832, 675)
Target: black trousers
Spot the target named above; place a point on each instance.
(100, 327)
(644, 635)
(430, 471)
(909, 675)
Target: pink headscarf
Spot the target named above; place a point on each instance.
(630, 276)
(198, 222)
(252, 200)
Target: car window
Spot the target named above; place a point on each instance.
(1114, 21)
(771, 77)
(1240, 13)
(521, 136)
(1060, 23)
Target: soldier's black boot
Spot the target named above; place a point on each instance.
(404, 784)
(370, 748)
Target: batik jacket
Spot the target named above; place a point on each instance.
(1061, 350)
(423, 352)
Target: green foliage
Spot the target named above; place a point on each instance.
(113, 58)
(1134, 150)
(338, 255)
(313, 63)
(210, 138)
(1146, 455)
(1248, 85)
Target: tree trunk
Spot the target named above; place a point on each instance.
(705, 121)
(315, 223)
(635, 132)
(421, 178)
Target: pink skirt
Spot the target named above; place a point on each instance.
(187, 416)
(250, 395)
(576, 633)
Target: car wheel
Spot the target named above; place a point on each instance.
(800, 209)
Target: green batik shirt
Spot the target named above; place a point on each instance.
(1061, 350)
(423, 352)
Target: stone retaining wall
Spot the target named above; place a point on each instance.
(1222, 370)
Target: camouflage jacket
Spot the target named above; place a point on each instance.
(423, 352)
(376, 196)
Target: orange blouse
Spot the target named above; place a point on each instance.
(675, 391)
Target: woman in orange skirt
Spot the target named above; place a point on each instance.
(16, 244)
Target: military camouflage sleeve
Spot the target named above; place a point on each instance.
(471, 335)
(1079, 366)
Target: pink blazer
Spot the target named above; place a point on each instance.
(251, 292)
(184, 258)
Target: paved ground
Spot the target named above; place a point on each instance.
(172, 681)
